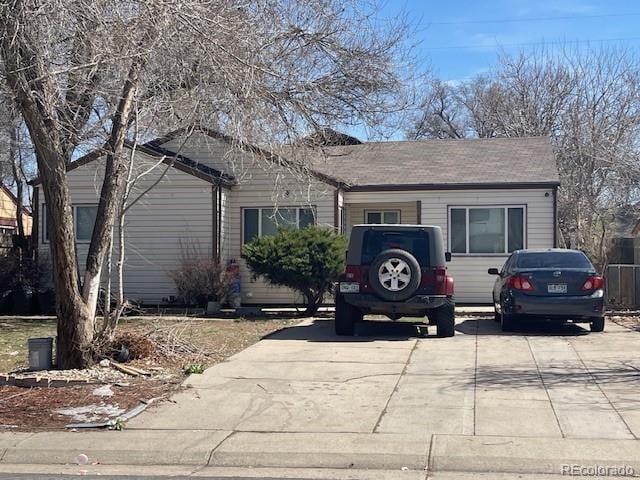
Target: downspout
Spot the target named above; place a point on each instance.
(35, 224)
(219, 217)
(555, 217)
(336, 209)
(214, 221)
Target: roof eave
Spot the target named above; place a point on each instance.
(453, 186)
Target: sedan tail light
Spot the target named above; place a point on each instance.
(596, 282)
(520, 283)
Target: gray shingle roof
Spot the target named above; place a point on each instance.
(441, 162)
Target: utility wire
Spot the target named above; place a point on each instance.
(535, 19)
(530, 44)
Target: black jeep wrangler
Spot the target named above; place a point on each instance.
(396, 270)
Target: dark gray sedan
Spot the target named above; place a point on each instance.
(554, 284)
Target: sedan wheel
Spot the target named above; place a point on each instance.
(506, 322)
(597, 325)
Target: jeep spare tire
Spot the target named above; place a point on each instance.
(395, 275)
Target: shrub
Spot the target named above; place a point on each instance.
(200, 279)
(307, 260)
(17, 272)
(22, 284)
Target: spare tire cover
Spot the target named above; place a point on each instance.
(395, 275)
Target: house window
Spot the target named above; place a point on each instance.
(486, 230)
(258, 222)
(382, 216)
(84, 218)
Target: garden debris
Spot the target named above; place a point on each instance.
(62, 378)
(137, 346)
(130, 370)
(104, 391)
(90, 413)
(104, 363)
(628, 320)
(115, 423)
(170, 340)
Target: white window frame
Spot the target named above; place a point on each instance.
(287, 207)
(382, 212)
(506, 208)
(45, 240)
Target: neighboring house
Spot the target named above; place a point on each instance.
(8, 218)
(490, 196)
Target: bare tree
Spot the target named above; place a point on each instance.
(15, 164)
(260, 70)
(440, 113)
(588, 103)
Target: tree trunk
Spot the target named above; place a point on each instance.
(52, 150)
(313, 300)
(111, 192)
(75, 321)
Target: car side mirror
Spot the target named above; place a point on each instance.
(493, 271)
(447, 256)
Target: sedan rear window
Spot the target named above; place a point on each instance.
(553, 260)
(415, 242)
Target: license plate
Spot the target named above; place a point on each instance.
(557, 288)
(349, 288)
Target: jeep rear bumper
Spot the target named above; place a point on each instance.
(417, 305)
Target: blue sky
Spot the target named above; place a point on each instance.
(459, 39)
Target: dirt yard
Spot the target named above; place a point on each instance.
(627, 320)
(184, 342)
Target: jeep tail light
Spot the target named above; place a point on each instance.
(595, 282)
(354, 273)
(440, 275)
(519, 283)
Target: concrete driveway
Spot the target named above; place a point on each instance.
(306, 397)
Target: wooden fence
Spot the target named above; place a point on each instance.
(623, 286)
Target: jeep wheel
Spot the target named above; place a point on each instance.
(395, 275)
(346, 317)
(445, 320)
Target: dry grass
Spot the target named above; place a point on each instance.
(14, 333)
(219, 338)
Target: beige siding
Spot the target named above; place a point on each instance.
(177, 211)
(264, 185)
(260, 184)
(356, 212)
(473, 284)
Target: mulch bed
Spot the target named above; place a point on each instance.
(31, 409)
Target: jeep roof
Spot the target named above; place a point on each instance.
(436, 245)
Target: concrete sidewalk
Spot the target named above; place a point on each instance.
(197, 450)
(386, 401)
